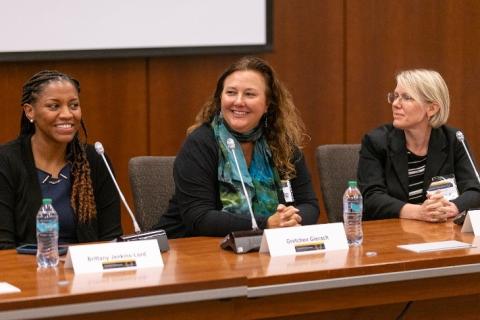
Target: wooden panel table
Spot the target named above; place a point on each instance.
(200, 281)
(375, 281)
(193, 275)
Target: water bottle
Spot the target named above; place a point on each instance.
(47, 235)
(352, 214)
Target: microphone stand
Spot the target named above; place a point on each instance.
(159, 235)
(460, 218)
(248, 240)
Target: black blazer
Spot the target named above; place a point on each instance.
(383, 170)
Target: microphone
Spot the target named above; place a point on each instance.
(101, 152)
(159, 235)
(231, 146)
(242, 241)
(460, 218)
(461, 138)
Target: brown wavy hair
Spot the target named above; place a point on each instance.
(285, 132)
(82, 198)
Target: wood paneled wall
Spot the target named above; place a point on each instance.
(338, 58)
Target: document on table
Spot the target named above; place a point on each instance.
(436, 246)
(6, 287)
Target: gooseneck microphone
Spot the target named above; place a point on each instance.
(101, 151)
(159, 235)
(242, 241)
(231, 146)
(460, 218)
(461, 138)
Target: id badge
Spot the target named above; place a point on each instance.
(446, 185)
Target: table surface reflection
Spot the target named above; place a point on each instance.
(200, 265)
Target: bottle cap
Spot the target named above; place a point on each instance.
(352, 183)
(47, 201)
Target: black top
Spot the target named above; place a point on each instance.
(21, 197)
(59, 190)
(196, 209)
(383, 170)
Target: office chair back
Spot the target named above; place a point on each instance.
(151, 179)
(336, 164)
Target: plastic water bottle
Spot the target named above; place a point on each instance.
(352, 214)
(47, 235)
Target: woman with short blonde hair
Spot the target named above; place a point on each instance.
(399, 161)
(429, 86)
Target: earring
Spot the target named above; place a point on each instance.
(266, 121)
(31, 120)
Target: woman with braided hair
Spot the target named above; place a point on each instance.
(49, 159)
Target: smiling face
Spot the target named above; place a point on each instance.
(243, 100)
(56, 112)
(409, 113)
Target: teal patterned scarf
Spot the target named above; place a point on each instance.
(261, 178)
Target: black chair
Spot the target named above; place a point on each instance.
(336, 164)
(151, 179)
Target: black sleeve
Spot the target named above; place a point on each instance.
(197, 190)
(107, 200)
(7, 206)
(468, 186)
(305, 198)
(377, 203)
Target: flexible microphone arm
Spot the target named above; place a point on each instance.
(231, 146)
(461, 138)
(100, 151)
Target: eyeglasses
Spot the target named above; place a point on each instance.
(393, 96)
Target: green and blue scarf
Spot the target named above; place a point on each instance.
(261, 178)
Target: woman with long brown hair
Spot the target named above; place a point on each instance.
(251, 108)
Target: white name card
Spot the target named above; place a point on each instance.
(6, 287)
(304, 239)
(472, 222)
(436, 246)
(114, 256)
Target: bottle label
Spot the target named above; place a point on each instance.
(355, 207)
(47, 227)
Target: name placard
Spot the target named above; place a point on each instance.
(304, 239)
(114, 256)
(6, 287)
(472, 222)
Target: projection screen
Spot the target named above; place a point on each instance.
(60, 29)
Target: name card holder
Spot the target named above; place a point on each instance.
(472, 222)
(304, 239)
(114, 256)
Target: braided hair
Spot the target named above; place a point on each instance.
(82, 198)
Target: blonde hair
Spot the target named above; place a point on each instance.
(428, 86)
(286, 131)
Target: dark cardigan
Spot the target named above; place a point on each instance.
(196, 209)
(20, 197)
